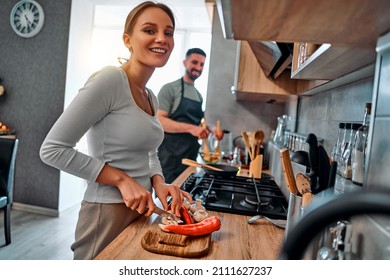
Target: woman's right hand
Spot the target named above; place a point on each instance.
(135, 196)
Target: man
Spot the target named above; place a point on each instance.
(180, 113)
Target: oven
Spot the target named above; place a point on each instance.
(238, 195)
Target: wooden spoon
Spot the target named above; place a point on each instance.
(304, 188)
(288, 171)
(193, 163)
(259, 137)
(247, 144)
(218, 133)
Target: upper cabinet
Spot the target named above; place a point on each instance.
(345, 32)
(343, 23)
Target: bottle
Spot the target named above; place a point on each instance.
(343, 146)
(340, 134)
(359, 148)
(346, 166)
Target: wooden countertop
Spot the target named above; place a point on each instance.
(236, 240)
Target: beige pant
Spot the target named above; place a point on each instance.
(98, 225)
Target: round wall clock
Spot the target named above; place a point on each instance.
(27, 18)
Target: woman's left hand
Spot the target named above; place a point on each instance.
(164, 190)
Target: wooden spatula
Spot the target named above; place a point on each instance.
(206, 151)
(193, 163)
(288, 171)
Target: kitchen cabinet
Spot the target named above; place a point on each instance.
(251, 84)
(340, 23)
(346, 30)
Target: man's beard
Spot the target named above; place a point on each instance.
(191, 76)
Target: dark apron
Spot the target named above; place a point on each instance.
(177, 146)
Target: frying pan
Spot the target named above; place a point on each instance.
(225, 170)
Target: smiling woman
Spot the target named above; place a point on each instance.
(106, 45)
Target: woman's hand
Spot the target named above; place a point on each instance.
(135, 196)
(164, 190)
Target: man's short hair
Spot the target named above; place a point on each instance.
(195, 50)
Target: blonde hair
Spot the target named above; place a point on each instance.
(138, 10)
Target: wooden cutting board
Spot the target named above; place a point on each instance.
(159, 242)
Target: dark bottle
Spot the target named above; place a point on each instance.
(359, 148)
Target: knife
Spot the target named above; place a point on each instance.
(166, 214)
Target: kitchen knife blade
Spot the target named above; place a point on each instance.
(166, 214)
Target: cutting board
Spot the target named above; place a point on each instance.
(159, 242)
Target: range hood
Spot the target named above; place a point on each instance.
(273, 57)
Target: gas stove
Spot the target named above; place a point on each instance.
(238, 195)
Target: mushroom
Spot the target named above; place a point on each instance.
(200, 215)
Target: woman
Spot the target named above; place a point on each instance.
(118, 113)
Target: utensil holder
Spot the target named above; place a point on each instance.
(294, 212)
(256, 166)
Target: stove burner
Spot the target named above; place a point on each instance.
(245, 203)
(251, 200)
(209, 196)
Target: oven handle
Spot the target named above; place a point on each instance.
(342, 207)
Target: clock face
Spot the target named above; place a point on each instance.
(27, 18)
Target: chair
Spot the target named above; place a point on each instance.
(8, 150)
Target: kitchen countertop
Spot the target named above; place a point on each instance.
(236, 240)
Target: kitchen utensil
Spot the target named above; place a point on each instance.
(166, 214)
(218, 132)
(276, 222)
(323, 169)
(193, 163)
(288, 171)
(206, 151)
(247, 144)
(259, 137)
(301, 157)
(159, 242)
(314, 160)
(303, 185)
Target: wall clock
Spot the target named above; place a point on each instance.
(27, 18)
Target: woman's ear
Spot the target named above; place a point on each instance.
(127, 40)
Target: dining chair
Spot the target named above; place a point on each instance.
(8, 150)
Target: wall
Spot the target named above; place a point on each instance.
(321, 113)
(33, 72)
(222, 104)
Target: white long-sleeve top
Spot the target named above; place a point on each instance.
(119, 133)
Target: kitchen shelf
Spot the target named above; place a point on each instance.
(329, 62)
